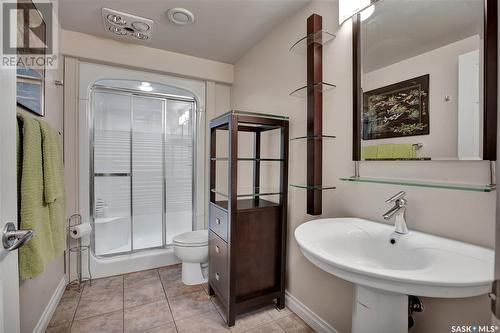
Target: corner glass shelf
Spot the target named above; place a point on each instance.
(313, 137)
(248, 159)
(320, 37)
(314, 187)
(249, 192)
(416, 183)
(321, 86)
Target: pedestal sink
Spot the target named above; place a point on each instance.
(387, 267)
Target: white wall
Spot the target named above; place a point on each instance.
(442, 66)
(263, 79)
(36, 293)
(103, 50)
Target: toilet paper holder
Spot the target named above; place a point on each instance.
(78, 250)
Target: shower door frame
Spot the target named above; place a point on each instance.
(165, 98)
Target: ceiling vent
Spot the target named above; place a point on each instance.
(180, 16)
(127, 25)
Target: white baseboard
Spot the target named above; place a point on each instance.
(312, 319)
(44, 320)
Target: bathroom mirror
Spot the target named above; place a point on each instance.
(425, 80)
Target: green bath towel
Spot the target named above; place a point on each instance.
(53, 184)
(385, 151)
(369, 152)
(36, 188)
(389, 151)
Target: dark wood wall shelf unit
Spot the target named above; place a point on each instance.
(313, 90)
(248, 230)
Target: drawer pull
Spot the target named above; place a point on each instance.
(217, 276)
(217, 220)
(217, 249)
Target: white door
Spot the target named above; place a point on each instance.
(9, 280)
(469, 115)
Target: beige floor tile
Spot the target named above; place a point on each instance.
(171, 277)
(271, 327)
(107, 323)
(64, 313)
(147, 292)
(219, 306)
(139, 278)
(251, 320)
(208, 322)
(293, 324)
(277, 314)
(143, 317)
(167, 328)
(176, 288)
(113, 284)
(94, 304)
(72, 293)
(63, 328)
(189, 305)
(170, 273)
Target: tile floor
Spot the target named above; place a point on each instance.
(156, 301)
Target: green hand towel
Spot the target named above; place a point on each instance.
(369, 152)
(404, 150)
(34, 212)
(53, 183)
(385, 151)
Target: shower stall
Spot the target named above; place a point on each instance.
(142, 169)
(141, 165)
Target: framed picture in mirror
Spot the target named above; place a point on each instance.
(425, 80)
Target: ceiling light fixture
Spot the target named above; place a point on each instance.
(180, 16)
(145, 86)
(116, 19)
(127, 25)
(117, 31)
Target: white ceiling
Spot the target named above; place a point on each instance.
(224, 30)
(400, 29)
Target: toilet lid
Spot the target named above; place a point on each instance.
(192, 238)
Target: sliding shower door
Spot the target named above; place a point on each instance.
(142, 171)
(179, 168)
(148, 204)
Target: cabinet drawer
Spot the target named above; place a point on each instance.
(218, 221)
(218, 274)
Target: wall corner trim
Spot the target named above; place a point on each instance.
(44, 320)
(307, 315)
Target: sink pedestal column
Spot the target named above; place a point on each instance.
(379, 311)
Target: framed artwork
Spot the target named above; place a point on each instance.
(30, 85)
(397, 110)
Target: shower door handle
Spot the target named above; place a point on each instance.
(13, 239)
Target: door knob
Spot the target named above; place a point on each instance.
(13, 239)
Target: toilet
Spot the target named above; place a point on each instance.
(192, 249)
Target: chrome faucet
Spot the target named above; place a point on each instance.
(399, 211)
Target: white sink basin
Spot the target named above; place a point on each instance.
(381, 262)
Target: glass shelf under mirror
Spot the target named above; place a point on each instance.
(248, 159)
(249, 192)
(314, 187)
(320, 37)
(428, 184)
(313, 137)
(321, 86)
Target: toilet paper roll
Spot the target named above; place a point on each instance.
(78, 231)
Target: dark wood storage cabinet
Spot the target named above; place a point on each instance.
(247, 236)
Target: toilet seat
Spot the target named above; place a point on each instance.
(192, 239)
